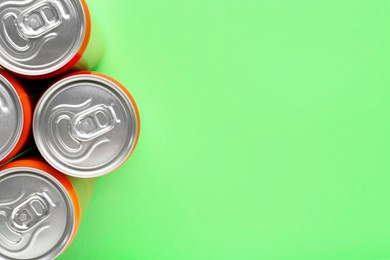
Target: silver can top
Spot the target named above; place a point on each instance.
(38, 37)
(85, 125)
(37, 217)
(11, 117)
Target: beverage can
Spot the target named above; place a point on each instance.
(86, 125)
(39, 210)
(43, 38)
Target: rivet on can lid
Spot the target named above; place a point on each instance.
(36, 215)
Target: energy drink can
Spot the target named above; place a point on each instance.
(86, 125)
(15, 117)
(39, 211)
(43, 38)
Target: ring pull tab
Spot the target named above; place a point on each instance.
(77, 130)
(19, 29)
(21, 218)
(94, 122)
(32, 211)
(39, 19)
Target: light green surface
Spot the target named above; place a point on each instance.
(265, 131)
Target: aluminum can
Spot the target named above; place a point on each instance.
(15, 117)
(86, 125)
(43, 38)
(39, 211)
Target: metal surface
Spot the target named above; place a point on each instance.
(11, 117)
(85, 126)
(38, 37)
(36, 215)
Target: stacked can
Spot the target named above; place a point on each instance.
(84, 125)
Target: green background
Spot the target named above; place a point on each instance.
(265, 131)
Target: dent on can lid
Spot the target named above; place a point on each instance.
(11, 117)
(36, 215)
(85, 125)
(38, 37)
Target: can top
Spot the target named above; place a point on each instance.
(85, 125)
(11, 117)
(39, 37)
(37, 217)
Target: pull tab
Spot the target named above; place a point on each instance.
(19, 29)
(79, 129)
(31, 212)
(22, 219)
(39, 19)
(94, 122)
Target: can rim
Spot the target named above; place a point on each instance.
(114, 87)
(71, 217)
(71, 58)
(20, 115)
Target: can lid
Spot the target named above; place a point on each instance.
(11, 117)
(36, 215)
(85, 125)
(41, 36)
